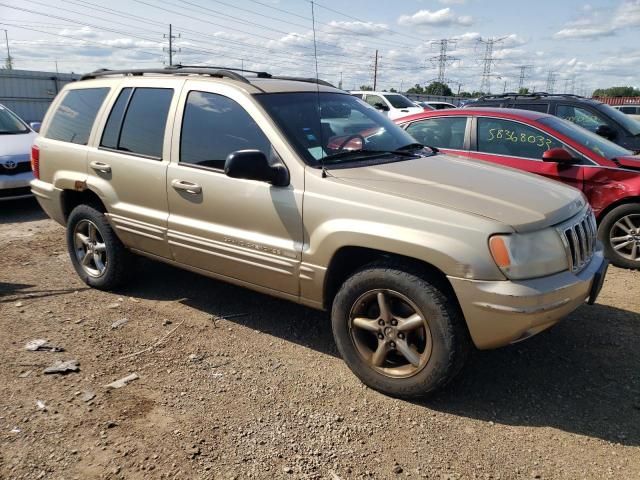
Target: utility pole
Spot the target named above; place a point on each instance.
(487, 62)
(504, 90)
(9, 61)
(171, 50)
(375, 72)
(340, 82)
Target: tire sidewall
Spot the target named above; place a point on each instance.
(431, 302)
(604, 232)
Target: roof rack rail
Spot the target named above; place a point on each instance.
(211, 71)
(527, 95)
(305, 79)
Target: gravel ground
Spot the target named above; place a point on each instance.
(234, 384)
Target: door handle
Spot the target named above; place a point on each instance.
(192, 188)
(100, 167)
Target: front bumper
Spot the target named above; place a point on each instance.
(15, 186)
(503, 312)
(50, 199)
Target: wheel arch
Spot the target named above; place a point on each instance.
(616, 204)
(72, 198)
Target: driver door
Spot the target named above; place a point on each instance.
(242, 230)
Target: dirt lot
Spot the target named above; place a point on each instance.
(261, 393)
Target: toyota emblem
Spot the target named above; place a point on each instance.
(10, 164)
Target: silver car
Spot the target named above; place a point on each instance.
(16, 138)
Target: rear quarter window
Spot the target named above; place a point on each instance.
(73, 119)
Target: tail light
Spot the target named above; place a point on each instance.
(35, 161)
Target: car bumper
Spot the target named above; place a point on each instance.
(15, 186)
(49, 198)
(502, 312)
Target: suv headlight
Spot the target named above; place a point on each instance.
(529, 255)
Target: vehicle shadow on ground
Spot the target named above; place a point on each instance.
(24, 210)
(582, 377)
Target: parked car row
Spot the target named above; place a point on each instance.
(297, 189)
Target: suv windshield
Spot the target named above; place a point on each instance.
(592, 141)
(628, 123)
(347, 128)
(399, 101)
(10, 124)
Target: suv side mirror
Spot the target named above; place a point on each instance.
(35, 126)
(381, 106)
(253, 165)
(606, 131)
(559, 155)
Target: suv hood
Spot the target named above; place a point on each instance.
(521, 200)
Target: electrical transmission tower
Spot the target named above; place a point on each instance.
(442, 61)
(523, 76)
(487, 62)
(551, 81)
(171, 50)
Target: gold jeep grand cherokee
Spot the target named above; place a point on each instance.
(297, 189)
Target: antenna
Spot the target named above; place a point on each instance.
(315, 56)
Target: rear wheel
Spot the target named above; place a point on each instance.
(97, 254)
(620, 234)
(398, 332)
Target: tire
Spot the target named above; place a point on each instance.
(108, 272)
(406, 289)
(615, 226)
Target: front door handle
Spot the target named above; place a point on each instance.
(100, 167)
(189, 187)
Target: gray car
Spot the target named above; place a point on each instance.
(16, 138)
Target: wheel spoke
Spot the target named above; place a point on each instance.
(82, 238)
(86, 259)
(100, 247)
(619, 239)
(634, 251)
(366, 324)
(408, 352)
(385, 313)
(629, 223)
(97, 260)
(410, 323)
(92, 232)
(378, 357)
(620, 246)
(621, 226)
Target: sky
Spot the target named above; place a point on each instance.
(564, 45)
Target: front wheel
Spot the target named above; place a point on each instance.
(398, 332)
(619, 231)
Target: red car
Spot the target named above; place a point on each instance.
(608, 174)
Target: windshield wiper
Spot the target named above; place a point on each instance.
(416, 146)
(360, 154)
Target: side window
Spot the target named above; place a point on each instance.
(581, 116)
(215, 126)
(374, 99)
(505, 137)
(444, 132)
(73, 120)
(358, 95)
(138, 120)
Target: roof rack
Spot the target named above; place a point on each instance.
(220, 72)
(527, 95)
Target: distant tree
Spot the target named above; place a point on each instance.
(366, 87)
(438, 88)
(393, 90)
(523, 91)
(416, 89)
(617, 92)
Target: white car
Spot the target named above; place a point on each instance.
(394, 104)
(440, 105)
(633, 110)
(16, 138)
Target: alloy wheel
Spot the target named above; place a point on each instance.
(625, 237)
(90, 249)
(390, 333)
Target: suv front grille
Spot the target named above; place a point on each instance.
(579, 238)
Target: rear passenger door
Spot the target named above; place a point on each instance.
(518, 145)
(243, 230)
(128, 168)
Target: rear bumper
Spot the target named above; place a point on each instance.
(50, 199)
(503, 312)
(15, 186)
